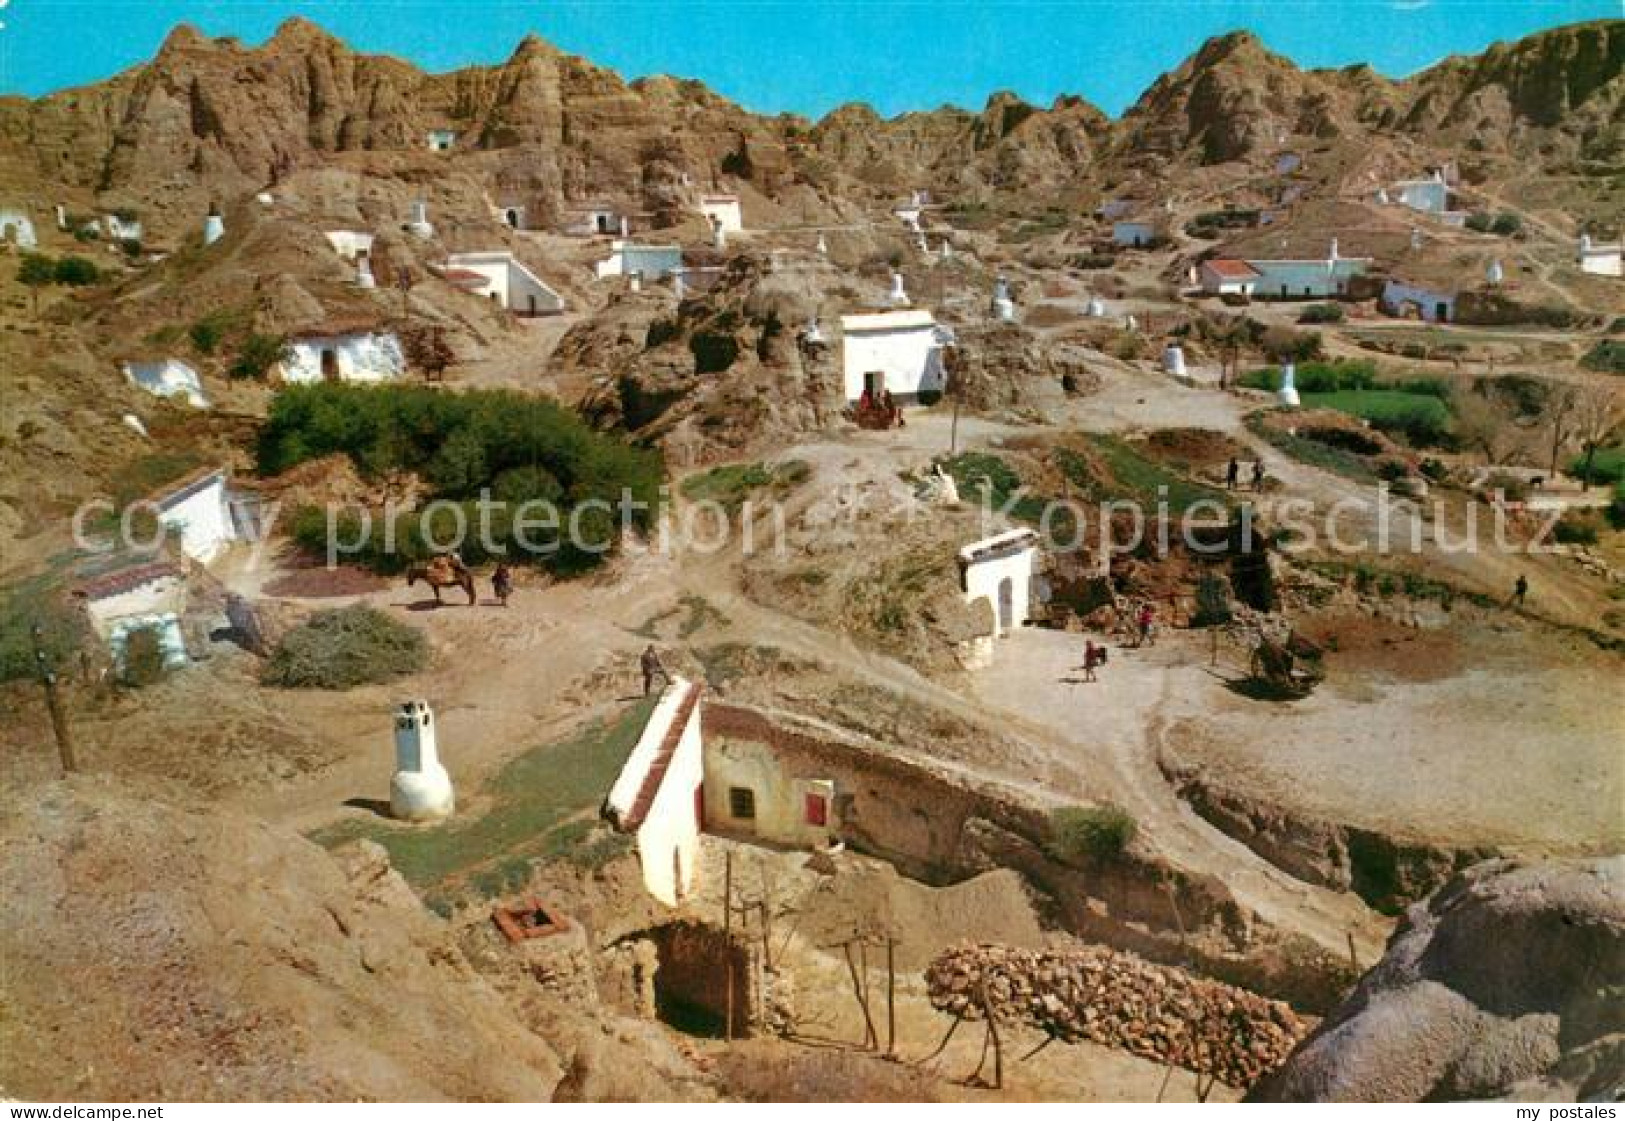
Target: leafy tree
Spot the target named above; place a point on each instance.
(36, 271)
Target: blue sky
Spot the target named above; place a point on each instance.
(773, 55)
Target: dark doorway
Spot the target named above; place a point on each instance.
(1441, 313)
(330, 364)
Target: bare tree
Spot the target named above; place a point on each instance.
(1599, 417)
(1562, 421)
(1486, 427)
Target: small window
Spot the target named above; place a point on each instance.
(742, 803)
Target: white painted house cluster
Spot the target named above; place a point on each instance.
(168, 377)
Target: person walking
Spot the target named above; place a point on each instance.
(1089, 660)
(502, 583)
(1232, 474)
(1148, 625)
(650, 662)
(1258, 474)
(1520, 590)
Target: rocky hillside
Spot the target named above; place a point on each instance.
(214, 118)
(211, 956)
(1509, 982)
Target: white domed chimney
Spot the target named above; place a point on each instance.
(421, 789)
(1288, 393)
(1004, 308)
(898, 295)
(419, 225)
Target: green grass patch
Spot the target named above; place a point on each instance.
(1422, 418)
(1142, 479)
(1339, 461)
(1607, 465)
(534, 810)
(346, 647)
(1079, 834)
(732, 485)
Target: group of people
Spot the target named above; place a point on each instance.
(885, 404)
(1232, 475)
(1145, 634)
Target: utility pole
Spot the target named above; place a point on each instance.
(53, 701)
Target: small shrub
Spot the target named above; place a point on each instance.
(1212, 601)
(258, 355)
(1321, 313)
(1578, 527)
(143, 662)
(343, 648)
(206, 335)
(1085, 833)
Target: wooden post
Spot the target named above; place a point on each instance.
(891, 997)
(727, 937)
(767, 922)
(53, 702)
(869, 1037)
(993, 1032)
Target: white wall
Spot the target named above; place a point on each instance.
(163, 596)
(348, 243)
(668, 837)
(370, 357)
(1601, 261)
(1133, 233)
(910, 358)
(1223, 285)
(510, 281)
(1396, 293)
(728, 213)
(17, 228)
(1011, 558)
(780, 799)
(1427, 195)
(169, 378)
(202, 518)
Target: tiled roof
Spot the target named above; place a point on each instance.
(126, 579)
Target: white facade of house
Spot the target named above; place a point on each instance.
(589, 221)
(17, 228)
(154, 600)
(121, 229)
(1432, 305)
(509, 282)
(368, 356)
(657, 796)
(441, 139)
(169, 377)
(350, 244)
(723, 212)
(1429, 196)
(1308, 279)
(999, 569)
(1133, 234)
(1600, 258)
(652, 262)
(1223, 278)
(513, 216)
(748, 792)
(199, 513)
(901, 349)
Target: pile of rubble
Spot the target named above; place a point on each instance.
(1119, 1000)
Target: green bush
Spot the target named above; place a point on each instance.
(206, 335)
(258, 355)
(461, 444)
(1607, 357)
(1321, 313)
(1578, 527)
(76, 272)
(343, 648)
(1079, 834)
(143, 662)
(1607, 465)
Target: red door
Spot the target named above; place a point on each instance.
(817, 809)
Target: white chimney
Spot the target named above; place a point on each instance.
(1416, 239)
(214, 226)
(419, 225)
(1097, 308)
(814, 335)
(1173, 360)
(678, 285)
(1288, 393)
(898, 295)
(626, 226)
(823, 246)
(1004, 308)
(1495, 273)
(363, 272)
(421, 789)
